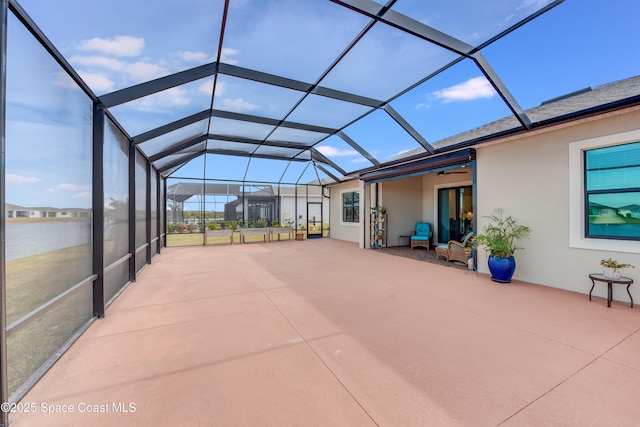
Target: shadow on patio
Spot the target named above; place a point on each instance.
(420, 254)
(323, 333)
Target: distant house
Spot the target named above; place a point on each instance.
(288, 205)
(16, 211)
(631, 211)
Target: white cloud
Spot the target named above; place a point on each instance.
(174, 97)
(84, 195)
(117, 46)
(477, 87)
(72, 187)
(19, 179)
(189, 56)
(475, 36)
(99, 62)
(207, 87)
(238, 105)
(62, 79)
(141, 71)
(527, 7)
(98, 82)
(226, 56)
(330, 151)
(221, 87)
(137, 71)
(533, 5)
(422, 106)
(80, 189)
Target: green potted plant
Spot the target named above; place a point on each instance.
(379, 209)
(612, 269)
(499, 238)
(470, 246)
(300, 231)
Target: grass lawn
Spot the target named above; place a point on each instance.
(31, 282)
(194, 239)
(35, 280)
(185, 239)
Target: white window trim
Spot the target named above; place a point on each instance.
(350, 224)
(576, 194)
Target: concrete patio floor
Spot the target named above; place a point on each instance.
(323, 333)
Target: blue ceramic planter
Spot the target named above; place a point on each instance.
(502, 269)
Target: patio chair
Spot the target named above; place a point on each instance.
(454, 251)
(422, 236)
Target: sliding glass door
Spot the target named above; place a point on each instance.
(455, 213)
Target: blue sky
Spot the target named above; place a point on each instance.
(578, 44)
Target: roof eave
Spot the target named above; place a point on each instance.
(562, 119)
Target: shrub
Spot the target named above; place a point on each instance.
(500, 235)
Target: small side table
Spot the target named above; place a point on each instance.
(621, 281)
(408, 237)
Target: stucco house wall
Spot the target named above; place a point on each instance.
(537, 178)
(403, 200)
(340, 230)
(401, 197)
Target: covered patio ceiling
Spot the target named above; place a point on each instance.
(223, 85)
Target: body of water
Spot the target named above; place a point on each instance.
(31, 238)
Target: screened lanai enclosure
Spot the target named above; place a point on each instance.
(121, 120)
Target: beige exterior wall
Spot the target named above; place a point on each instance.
(350, 232)
(409, 200)
(538, 179)
(403, 200)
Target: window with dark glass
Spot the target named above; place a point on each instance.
(612, 192)
(351, 207)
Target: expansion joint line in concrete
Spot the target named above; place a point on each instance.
(310, 347)
(595, 359)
